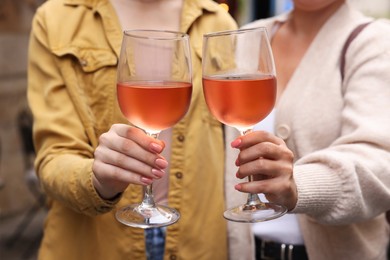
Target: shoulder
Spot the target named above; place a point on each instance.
(267, 22)
(368, 57)
(52, 12)
(63, 11)
(373, 40)
(378, 31)
(51, 7)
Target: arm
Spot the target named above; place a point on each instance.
(64, 153)
(350, 180)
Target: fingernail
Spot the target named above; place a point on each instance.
(146, 181)
(161, 163)
(237, 162)
(156, 148)
(238, 187)
(236, 143)
(158, 173)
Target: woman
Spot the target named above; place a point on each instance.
(338, 129)
(79, 135)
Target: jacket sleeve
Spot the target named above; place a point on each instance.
(64, 151)
(350, 180)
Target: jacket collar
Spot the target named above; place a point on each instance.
(88, 3)
(192, 9)
(200, 4)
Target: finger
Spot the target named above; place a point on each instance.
(130, 164)
(264, 168)
(129, 147)
(265, 186)
(116, 177)
(255, 137)
(277, 191)
(138, 136)
(265, 150)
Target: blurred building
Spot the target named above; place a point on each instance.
(375, 8)
(15, 23)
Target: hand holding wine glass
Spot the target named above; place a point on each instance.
(239, 82)
(154, 88)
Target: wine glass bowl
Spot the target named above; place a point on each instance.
(239, 85)
(154, 88)
(156, 105)
(234, 100)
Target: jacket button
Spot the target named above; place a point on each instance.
(104, 209)
(83, 63)
(172, 257)
(179, 175)
(181, 138)
(283, 131)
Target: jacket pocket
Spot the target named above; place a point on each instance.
(91, 81)
(89, 59)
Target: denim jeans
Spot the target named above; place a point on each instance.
(155, 243)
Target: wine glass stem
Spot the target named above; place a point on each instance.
(148, 200)
(253, 199)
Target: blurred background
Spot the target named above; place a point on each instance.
(22, 209)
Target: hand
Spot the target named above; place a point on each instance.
(126, 155)
(267, 158)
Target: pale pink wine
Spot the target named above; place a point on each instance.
(154, 106)
(240, 101)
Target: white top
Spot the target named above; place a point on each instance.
(284, 229)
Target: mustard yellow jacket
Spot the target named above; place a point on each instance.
(73, 54)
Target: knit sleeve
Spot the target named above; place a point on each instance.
(349, 181)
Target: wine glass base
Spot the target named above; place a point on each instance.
(255, 213)
(151, 217)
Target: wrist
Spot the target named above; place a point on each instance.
(106, 194)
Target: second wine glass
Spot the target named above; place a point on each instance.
(154, 88)
(239, 83)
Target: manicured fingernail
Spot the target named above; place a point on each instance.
(161, 163)
(146, 181)
(156, 148)
(237, 162)
(236, 143)
(238, 187)
(238, 176)
(158, 173)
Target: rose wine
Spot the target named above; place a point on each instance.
(240, 101)
(154, 106)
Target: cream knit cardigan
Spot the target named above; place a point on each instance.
(339, 131)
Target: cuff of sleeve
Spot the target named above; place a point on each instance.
(318, 189)
(95, 204)
(102, 205)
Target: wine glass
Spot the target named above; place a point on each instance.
(154, 88)
(239, 84)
